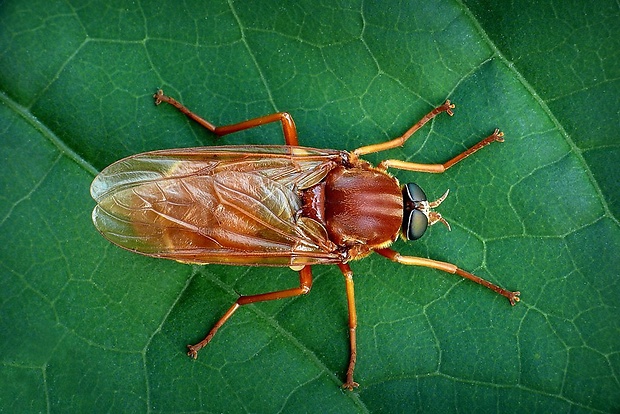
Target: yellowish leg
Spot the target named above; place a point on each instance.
(398, 142)
(348, 277)
(513, 297)
(497, 135)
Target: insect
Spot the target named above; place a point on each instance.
(272, 205)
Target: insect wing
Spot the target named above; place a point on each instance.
(235, 205)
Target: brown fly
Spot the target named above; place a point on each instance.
(272, 205)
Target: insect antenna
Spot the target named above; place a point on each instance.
(433, 216)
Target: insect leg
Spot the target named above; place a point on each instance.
(398, 142)
(497, 135)
(348, 277)
(513, 297)
(305, 284)
(288, 125)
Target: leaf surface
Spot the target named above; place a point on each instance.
(90, 327)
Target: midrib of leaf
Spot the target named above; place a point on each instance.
(47, 133)
(543, 105)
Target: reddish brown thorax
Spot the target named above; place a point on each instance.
(362, 206)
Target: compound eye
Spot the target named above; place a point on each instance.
(414, 224)
(414, 193)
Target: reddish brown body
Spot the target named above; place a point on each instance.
(363, 208)
(273, 205)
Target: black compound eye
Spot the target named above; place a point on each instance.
(415, 221)
(413, 192)
(414, 224)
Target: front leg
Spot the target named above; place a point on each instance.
(513, 297)
(496, 136)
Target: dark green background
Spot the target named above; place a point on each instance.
(88, 327)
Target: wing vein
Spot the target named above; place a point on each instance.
(255, 217)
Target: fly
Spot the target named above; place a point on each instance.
(272, 205)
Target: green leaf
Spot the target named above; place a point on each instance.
(88, 327)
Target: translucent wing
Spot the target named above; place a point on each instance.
(216, 205)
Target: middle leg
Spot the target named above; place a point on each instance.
(398, 142)
(348, 277)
